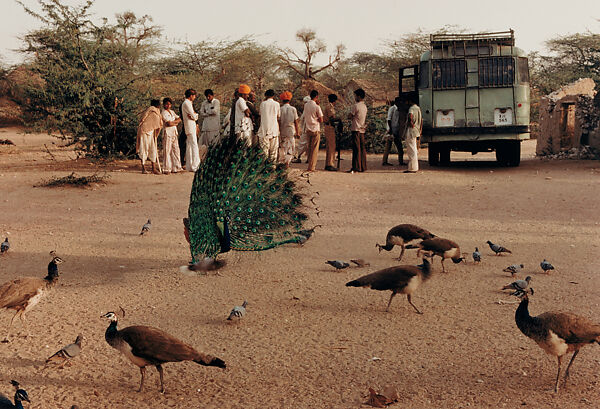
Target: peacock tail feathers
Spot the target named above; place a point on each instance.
(241, 201)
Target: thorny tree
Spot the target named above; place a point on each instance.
(304, 66)
(90, 76)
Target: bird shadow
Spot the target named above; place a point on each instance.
(15, 362)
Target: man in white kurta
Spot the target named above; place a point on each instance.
(210, 110)
(414, 126)
(192, 157)
(288, 129)
(268, 132)
(302, 144)
(170, 138)
(243, 122)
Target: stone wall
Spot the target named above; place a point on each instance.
(568, 118)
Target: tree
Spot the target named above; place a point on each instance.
(91, 91)
(303, 66)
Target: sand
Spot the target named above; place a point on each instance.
(307, 341)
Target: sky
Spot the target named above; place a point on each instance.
(359, 25)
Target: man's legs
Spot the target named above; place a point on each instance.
(313, 149)
(362, 151)
(398, 143)
(168, 148)
(411, 150)
(386, 151)
(329, 147)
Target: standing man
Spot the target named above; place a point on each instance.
(313, 117)
(288, 129)
(268, 133)
(189, 118)
(414, 127)
(396, 121)
(210, 110)
(330, 120)
(147, 134)
(170, 141)
(302, 144)
(243, 122)
(358, 115)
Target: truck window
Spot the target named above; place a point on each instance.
(496, 72)
(424, 74)
(523, 68)
(448, 74)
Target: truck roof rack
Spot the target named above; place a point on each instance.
(499, 37)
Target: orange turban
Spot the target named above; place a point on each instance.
(286, 96)
(244, 89)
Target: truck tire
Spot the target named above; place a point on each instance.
(433, 154)
(508, 153)
(445, 156)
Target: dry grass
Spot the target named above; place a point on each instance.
(74, 180)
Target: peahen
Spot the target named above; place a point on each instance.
(240, 201)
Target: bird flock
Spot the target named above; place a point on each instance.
(557, 333)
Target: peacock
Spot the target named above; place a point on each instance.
(241, 201)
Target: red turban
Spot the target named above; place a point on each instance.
(286, 96)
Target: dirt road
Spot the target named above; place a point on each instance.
(307, 341)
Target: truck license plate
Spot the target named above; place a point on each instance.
(503, 116)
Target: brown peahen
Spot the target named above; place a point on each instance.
(241, 201)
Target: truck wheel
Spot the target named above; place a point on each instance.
(433, 154)
(445, 156)
(508, 153)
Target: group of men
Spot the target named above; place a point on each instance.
(274, 126)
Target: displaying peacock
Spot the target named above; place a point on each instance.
(241, 201)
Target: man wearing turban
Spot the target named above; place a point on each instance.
(243, 122)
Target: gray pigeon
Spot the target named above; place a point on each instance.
(514, 269)
(476, 255)
(305, 234)
(339, 265)
(546, 266)
(496, 248)
(67, 353)
(238, 311)
(519, 285)
(146, 227)
(4, 246)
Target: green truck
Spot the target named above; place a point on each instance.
(473, 90)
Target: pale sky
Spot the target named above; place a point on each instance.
(360, 25)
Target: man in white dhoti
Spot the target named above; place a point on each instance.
(268, 132)
(302, 145)
(170, 138)
(414, 126)
(210, 110)
(288, 129)
(189, 118)
(243, 122)
(150, 125)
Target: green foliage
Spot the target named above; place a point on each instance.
(89, 76)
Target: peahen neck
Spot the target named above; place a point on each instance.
(52, 272)
(18, 403)
(426, 270)
(525, 322)
(387, 247)
(111, 332)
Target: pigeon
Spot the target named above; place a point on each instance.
(67, 353)
(546, 266)
(476, 255)
(146, 227)
(514, 269)
(305, 234)
(519, 286)
(360, 262)
(238, 311)
(4, 246)
(496, 248)
(339, 265)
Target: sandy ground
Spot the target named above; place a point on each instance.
(307, 340)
